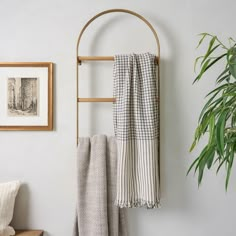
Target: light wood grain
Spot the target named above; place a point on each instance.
(101, 58)
(29, 233)
(96, 99)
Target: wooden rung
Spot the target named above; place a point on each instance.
(96, 99)
(95, 58)
(29, 233)
(99, 58)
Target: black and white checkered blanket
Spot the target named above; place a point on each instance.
(135, 115)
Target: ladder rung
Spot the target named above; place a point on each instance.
(96, 99)
(100, 58)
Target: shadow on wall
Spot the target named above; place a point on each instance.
(21, 219)
(173, 189)
(22, 208)
(95, 84)
(103, 30)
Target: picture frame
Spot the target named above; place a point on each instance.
(26, 96)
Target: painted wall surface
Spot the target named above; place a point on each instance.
(45, 161)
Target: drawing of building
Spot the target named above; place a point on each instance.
(22, 96)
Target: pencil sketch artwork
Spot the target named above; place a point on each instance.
(23, 96)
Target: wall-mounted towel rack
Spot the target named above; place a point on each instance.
(80, 59)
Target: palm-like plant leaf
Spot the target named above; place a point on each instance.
(218, 116)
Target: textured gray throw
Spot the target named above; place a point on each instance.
(136, 128)
(96, 213)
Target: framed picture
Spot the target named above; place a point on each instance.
(26, 96)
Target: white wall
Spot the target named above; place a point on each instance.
(45, 161)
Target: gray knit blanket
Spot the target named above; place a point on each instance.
(135, 114)
(96, 214)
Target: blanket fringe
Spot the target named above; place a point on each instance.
(138, 203)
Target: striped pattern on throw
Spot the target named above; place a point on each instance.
(135, 115)
(97, 166)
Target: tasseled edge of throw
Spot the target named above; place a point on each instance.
(138, 203)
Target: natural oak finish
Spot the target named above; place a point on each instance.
(100, 58)
(96, 99)
(49, 65)
(95, 58)
(29, 233)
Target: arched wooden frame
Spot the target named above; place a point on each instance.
(79, 59)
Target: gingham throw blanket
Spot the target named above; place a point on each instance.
(135, 114)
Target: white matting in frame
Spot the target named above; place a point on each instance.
(26, 96)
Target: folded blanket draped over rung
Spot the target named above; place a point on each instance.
(135, 115)
(96, 214)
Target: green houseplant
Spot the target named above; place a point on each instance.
(218, 116)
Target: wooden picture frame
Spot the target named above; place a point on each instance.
(26, 96)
